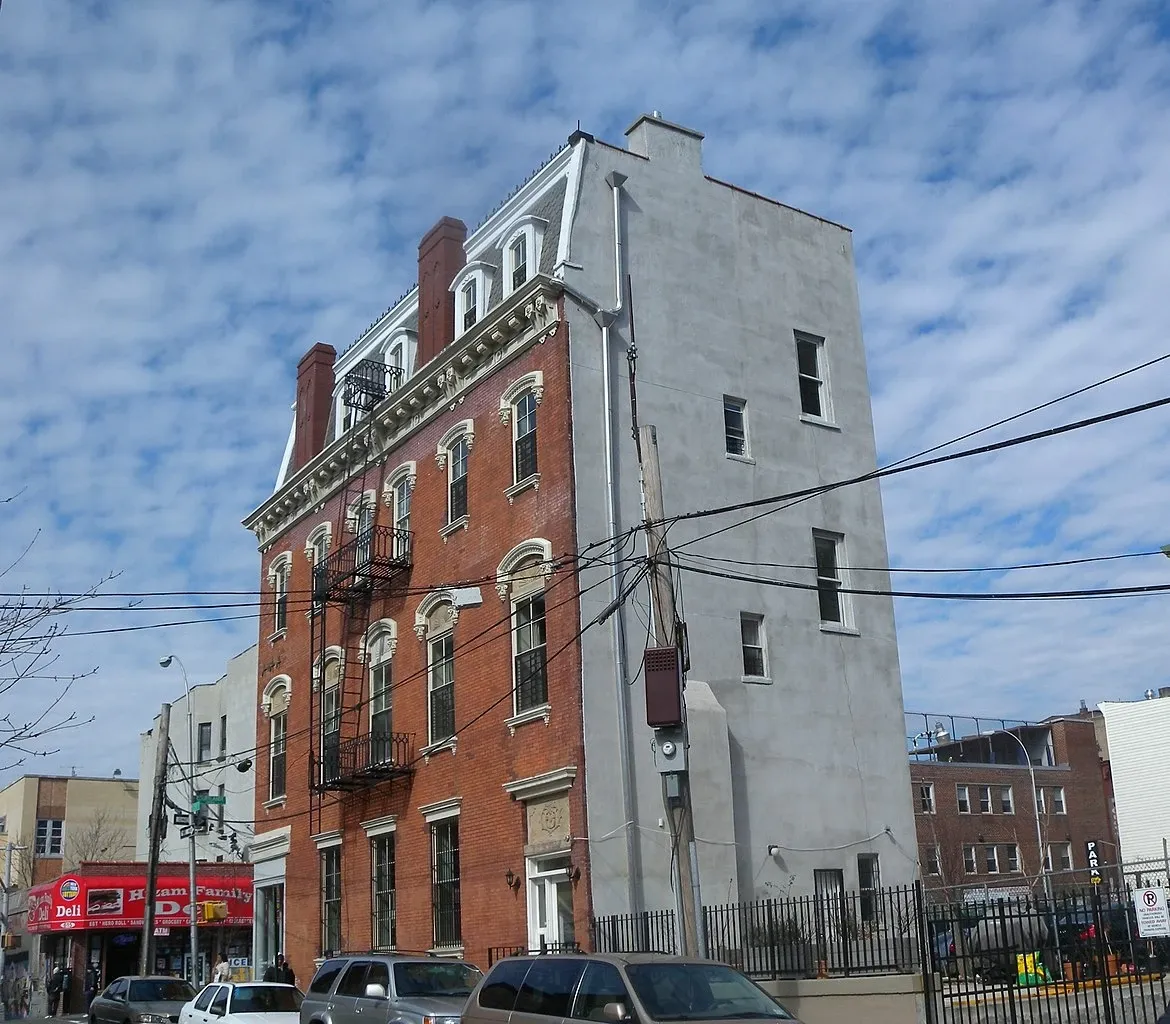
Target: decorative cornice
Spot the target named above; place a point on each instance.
(271, 845)
(441, 809)
(526, 317)
(380, 826)
(324, 840)
(537, 786)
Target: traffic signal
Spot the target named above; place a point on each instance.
(213, 911)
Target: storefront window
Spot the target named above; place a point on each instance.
(269, 926)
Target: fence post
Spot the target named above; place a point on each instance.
(1102, 949)
(1009, 953)
(770, 912)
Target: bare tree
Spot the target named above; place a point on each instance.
(100, 838)
(30, 623)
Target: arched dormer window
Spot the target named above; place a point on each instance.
(275, 703)
(522, 242)
(279, 575)
(399, 356)
(434, 623)
(527, 565)
(472, 287)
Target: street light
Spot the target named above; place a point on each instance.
(194, 923)
(1035, 806)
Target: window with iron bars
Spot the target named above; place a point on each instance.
(442, 688)
(445, 904)
(331, 900)
(384, 925)
(531, 654)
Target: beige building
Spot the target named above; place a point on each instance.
(53, 823)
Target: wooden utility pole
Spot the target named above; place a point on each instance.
(666, 634)
(158, 811)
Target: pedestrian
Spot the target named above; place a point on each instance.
(223, 970)
(286, 973)
(66, 989)
(91, 984)
(270, 970)
(53, 988)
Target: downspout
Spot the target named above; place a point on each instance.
(605, 318)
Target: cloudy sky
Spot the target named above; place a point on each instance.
(191, 194)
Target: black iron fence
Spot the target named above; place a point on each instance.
(652, 931)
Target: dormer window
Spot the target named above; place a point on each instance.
(468, 306)
(518, 260)
(472, 287)
(521, 243)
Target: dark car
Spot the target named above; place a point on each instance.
(141, 1000)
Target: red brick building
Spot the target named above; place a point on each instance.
(975, 807)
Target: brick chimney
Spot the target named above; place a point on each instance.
(314, 400)
(440, 258)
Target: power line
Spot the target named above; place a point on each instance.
(942, 595)
(936, 569)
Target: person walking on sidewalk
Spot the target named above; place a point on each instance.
(223, 970)
(53, 988)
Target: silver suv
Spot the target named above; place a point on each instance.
(388, 989)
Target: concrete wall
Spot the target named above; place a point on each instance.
(721, 278)
(883, 999)
(233, 695)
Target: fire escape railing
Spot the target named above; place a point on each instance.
(369, 562)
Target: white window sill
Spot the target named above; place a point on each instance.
(523, 485)
(431, 749)
(840, 630)
(542, 711)
(278, 635)
(817, 421)
(276, 801)
(454, 527)
(756, 680)
(747, 460)
(455, 952)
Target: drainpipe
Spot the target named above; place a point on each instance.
(605, 318)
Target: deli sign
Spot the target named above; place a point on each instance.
(119, 901)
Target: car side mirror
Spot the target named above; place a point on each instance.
(216, 1011)
(375, 991)
(615, 1012)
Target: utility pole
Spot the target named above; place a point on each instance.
(673, 768)
(158, 812)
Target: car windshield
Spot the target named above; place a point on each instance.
(434, 979)
(161, 990)
(266, 999)
(680, 991)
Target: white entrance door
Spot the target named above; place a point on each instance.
(550, 902)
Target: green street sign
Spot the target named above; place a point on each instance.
(206, 801)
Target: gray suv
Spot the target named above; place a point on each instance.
(388, 989)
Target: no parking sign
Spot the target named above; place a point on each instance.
(1153, 919)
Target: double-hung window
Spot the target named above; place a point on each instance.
(1013, 858)
(525, 465)
(963, 799)
(277, 760)
(280, 576)
(1007, 804)
(331, 722)
(331, 900)
(518, 260)
(751, 638)
(457, 480)
(445, 895)
(468, 303)
(441, 684)
(827, 550)
(384, 921)
(991, 855)
(926, 797)
(810, 357)
(531, 654)
(984, 799)
(970, 865)
(735, 438)
(204, 741)
(1058, 806)
(381, 688)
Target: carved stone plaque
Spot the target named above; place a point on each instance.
(548, 820)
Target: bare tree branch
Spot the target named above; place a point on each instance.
(98, 839)
(29, 626)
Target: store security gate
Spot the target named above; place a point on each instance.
(1080, 958)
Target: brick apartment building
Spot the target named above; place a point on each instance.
(975, 808)
(450, 665)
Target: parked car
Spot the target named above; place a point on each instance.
(136, 999)
(258, 1002)
(611, 988)
(376, 989)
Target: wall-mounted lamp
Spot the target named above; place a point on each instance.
(573, 874)
(512, 880)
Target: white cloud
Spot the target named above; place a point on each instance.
(190, 195)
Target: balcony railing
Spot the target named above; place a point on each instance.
(368, 383)
(368, 563)
(364, 761)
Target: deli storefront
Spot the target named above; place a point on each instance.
(93, 917)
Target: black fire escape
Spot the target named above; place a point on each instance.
(349, 579)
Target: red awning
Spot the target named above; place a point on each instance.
(78, 902)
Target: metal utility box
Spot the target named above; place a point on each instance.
(664, 699)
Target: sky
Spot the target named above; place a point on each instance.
(192, 194)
